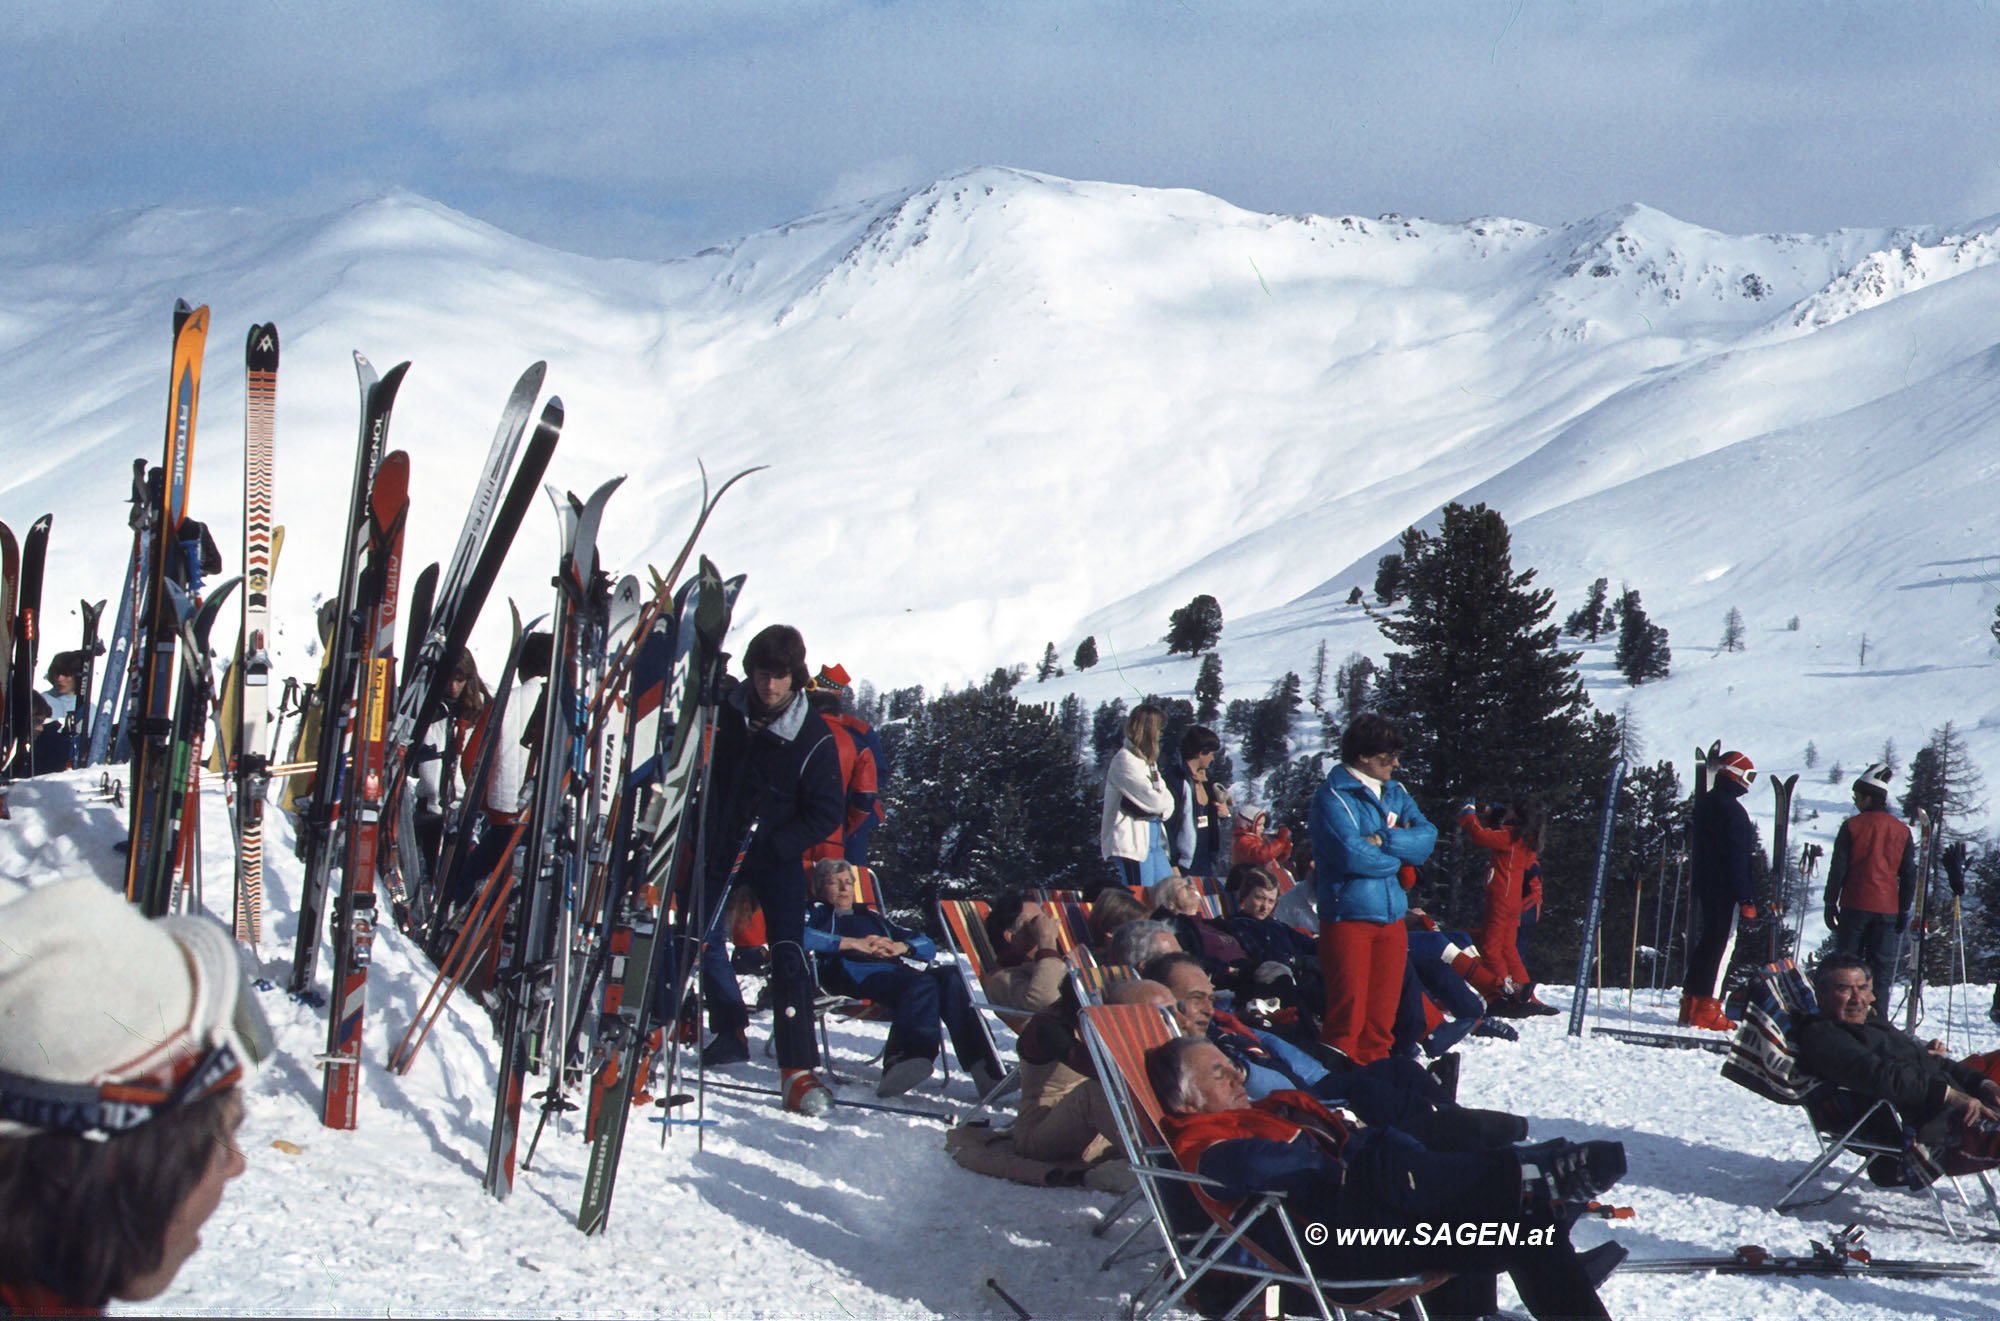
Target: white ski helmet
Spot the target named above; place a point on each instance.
(1876, 778)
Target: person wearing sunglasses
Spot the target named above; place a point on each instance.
(124, 1046)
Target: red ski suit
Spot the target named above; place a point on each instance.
(1515, 883)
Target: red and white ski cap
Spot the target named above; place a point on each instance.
(107, 1018)
(1737, 767)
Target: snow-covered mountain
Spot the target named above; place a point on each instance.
(1007, 409)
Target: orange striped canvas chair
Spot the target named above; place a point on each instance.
(964, 924)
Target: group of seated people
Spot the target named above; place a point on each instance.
(1258, 1109)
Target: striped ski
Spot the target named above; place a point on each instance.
(253, 656)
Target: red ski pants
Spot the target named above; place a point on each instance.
(1363, 966)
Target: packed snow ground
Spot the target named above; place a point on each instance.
(863, 1214)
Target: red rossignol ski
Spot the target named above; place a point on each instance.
(354, 914)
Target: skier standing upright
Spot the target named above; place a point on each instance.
(1724, 841)
(1872, 882)
(774, 763)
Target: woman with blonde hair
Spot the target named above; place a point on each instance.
(1136, 798)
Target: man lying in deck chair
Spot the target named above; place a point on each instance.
(1954, 1106)
(1335, 1179)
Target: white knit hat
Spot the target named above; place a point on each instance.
(92, 994)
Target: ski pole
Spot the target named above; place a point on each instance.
(1632, 973)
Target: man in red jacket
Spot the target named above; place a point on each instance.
(1871, 882)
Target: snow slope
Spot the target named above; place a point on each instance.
(863, 1214)
(1007, 409)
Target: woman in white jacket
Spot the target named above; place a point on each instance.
(1135, 797)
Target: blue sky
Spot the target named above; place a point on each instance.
(651, 129)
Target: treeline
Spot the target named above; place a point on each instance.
(989, 790)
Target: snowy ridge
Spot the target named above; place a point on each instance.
(1006, 408)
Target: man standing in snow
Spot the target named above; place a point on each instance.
(1872, 881)
(1365, 827)
(1724, 841)
(774, 764)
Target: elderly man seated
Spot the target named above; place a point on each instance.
(1953, 1105)
(862, 953)
(1388, 1091)
(1338, 1177)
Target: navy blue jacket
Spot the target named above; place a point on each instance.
(1724, 841)
(824, 928)
(786, 776)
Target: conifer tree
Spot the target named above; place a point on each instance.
(1389, 579)
(1944, 781)
(1267, 743)
(1195, 627)
(1318, 695)
(987, 790)
(1353, 685)
(1086, 653)
(1179, 718)
(1487, 702)
(1107, 731)
(1642, 645)
(1208, 690)
(1732, 630)
(1587, 621)
(1050, 666)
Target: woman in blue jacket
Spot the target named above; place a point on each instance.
(1365, 828)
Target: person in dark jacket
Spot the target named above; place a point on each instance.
(1724, 842)
(773, 763)
(1952, 1104)
(1335, 1177)
(1271, 945)
(1197, 827)
(1872, 882)
(863, 954)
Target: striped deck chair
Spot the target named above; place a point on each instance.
(1216, 901)
(1763, 1058)
(1072, 918)
(1118, 1037)
(1091, 979)
(964, 924)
